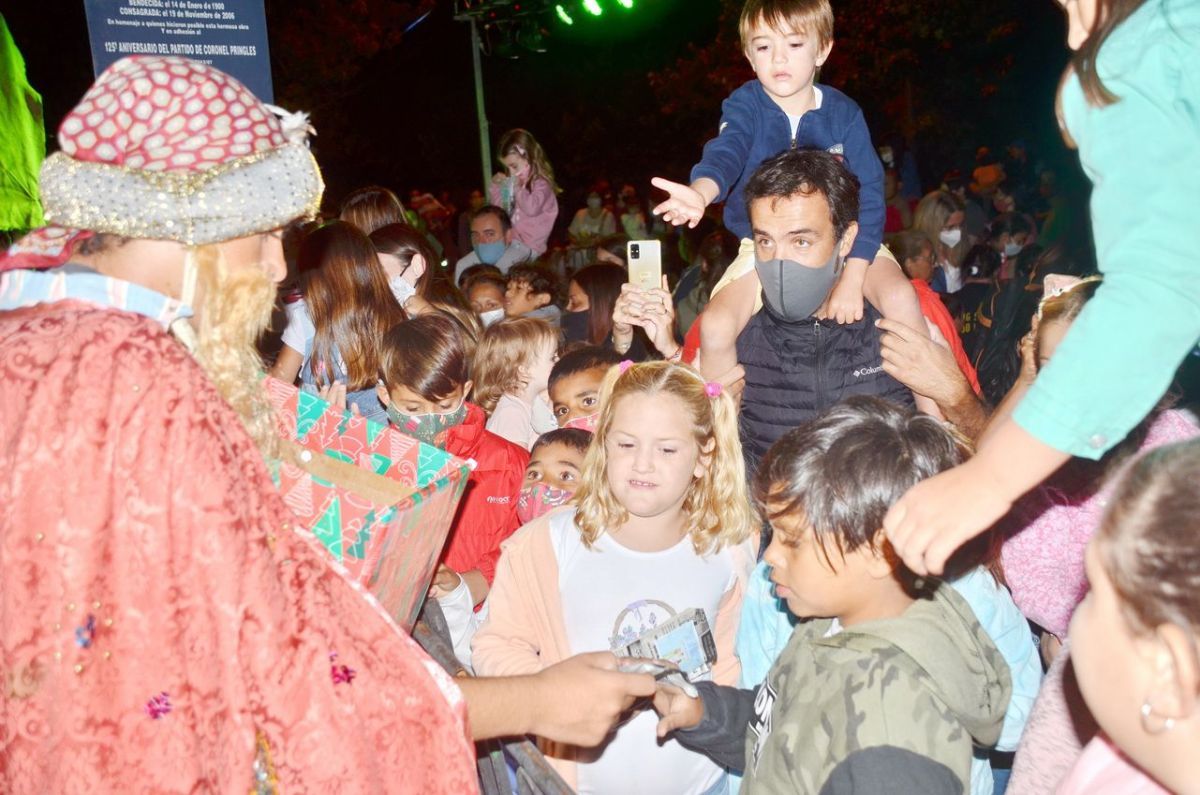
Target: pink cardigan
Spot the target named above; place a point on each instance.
(533, 213)
(1043, 561)
(524, 631)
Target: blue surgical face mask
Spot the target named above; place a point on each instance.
(490, 253)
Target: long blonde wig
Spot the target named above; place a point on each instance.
(717, 507)
(235, 309)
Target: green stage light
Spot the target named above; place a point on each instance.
(625, 3)
(593, 7)
(563, 15)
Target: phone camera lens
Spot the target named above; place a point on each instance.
(635, 250)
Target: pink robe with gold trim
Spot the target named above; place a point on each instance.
(157, 613)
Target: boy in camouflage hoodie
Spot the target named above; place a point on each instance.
(888, 682)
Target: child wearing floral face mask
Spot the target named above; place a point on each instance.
(426, 379)
(574, 385)
(553, 472)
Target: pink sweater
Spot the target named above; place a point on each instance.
(524, 631)
(1103, 770)
(533, 212)
(1043, 561)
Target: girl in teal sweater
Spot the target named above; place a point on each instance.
(1130, 101)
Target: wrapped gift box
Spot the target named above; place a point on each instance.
(380, 502)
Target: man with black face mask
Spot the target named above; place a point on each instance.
(802, 205)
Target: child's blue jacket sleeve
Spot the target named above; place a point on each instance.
(724, 158)
(863, 160)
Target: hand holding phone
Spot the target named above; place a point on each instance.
(644, 258)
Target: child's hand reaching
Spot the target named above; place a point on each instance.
(676, 710)
(684, 204)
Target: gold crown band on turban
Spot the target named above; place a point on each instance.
(245, 196)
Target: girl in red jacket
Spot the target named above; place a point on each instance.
(426, 378)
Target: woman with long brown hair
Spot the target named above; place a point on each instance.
(371, 208)
(333, 334)
(591, 296)
(408, 261)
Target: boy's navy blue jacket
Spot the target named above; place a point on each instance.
(753, 129)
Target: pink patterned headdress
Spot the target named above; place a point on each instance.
(167, 148)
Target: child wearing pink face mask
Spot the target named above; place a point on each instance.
(574, 385)
(553, 472)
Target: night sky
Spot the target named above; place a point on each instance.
(408, 118)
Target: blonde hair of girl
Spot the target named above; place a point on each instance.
(930, 216)
(717, 507)
(506, 351)
(523, 143)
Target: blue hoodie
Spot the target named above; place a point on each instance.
(754, 129)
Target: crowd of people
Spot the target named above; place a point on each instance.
(928, 506)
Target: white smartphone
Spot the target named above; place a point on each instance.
(645, 263)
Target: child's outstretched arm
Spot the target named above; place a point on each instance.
(1108, 372)
(719, 168)
(723, 320)
(845, 303)
(891, 293)
(863, 161)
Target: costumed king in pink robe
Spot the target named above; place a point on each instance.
(163, 627)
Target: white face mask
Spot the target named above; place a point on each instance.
(950, 237)
(491, 316)
(543, 420)
(1012, 249)
(401, 289)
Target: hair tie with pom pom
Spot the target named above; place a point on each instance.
(624, 365)
(713, 389)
